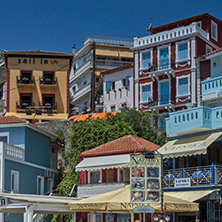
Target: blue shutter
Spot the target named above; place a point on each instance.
(183, 51)
(108, 86)
(164, 58)
(183, 86)
(127, 81)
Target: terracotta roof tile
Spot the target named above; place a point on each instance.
(210, 53)
(11, 119)
(126, 144)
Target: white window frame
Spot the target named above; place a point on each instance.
(50, 184)
(111, 85)
(177, 85)
(118, 175)
(159, 92)
(151, 89)
(100, 175)
(208, 48)
(214, 24)
(16, 180)
(158, 54)
(90, 215)
(177, 50)
(141, 56)
(200, 24)
(111, 109)
(42, 185)
(5, 134)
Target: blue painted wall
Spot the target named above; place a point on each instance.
(37, 148)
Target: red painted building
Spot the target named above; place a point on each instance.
(165, 70)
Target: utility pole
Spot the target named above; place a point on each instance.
(92, 104)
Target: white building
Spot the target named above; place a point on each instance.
(118, 88)
(110, 53)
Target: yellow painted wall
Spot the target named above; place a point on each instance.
(60, 91)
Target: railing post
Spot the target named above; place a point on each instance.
(182, 171)
(212, 174)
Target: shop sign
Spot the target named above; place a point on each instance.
(144, 209)
(182, 182)
(145, 179)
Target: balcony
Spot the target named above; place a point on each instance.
(194, 120)
(21, 106)
(171, 35)
(48, 81)
(211, 88)
(82, 91)
(89, 190)
(107, 64)
(24, 80)
(13, 152)
(198, 176)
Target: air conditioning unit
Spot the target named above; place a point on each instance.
(48, 173)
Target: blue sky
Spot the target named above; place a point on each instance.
(55, 25)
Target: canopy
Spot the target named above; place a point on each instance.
(188, 146)
(119, 200)
(190, 195)
(104, 162)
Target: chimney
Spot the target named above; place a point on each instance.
(74, 49)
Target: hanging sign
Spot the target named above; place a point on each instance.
(145, 179)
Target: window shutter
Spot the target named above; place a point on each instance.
(127, 81)
(108, 86)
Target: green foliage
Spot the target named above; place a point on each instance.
(60, 136)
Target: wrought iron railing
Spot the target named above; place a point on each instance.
(161, 65)
(199, 176)
(25, 80)
(24, 105)
(162, 100)
(47, 81)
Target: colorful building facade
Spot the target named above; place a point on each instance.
(38, 84)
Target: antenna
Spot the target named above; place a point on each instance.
(150, 29)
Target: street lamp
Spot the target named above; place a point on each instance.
(164, 218)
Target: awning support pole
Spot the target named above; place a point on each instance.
(93, 216)
(144, 217)
(74, 217)
(132, 216)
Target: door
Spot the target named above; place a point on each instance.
(164, 59)
(164, 93)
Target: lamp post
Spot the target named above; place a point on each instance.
(162, 218)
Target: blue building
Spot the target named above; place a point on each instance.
(193, 153)
(27, 159)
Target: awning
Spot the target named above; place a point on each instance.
(190, 195)
(43, 116)
(104, 162)
(189, 146)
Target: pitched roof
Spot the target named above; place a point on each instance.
(126, 144)
(11, 119)
(182, 21)
(210, 53)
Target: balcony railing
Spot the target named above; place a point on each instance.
(212, 86)
(47, 106)
(198, 176)
(48, 81)
(13, 152)
(25, 80)
(82, 91)
(163, 64)
(171, 34)
(24, 105)
(111, 63)
(165, 99)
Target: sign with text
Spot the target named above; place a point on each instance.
(182, 182)
(145, 179)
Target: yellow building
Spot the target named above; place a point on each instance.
(38, 84)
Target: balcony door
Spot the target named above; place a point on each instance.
(48, 100)
(164, 58)
(164, 92)
(25, 100)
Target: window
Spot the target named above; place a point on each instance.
(199, 24)
(94, 177)
(26, 77)
(45, 61)
(108, 85)
(208, 49)
(25, 61)
(50, 185)
(98, 217)
(146, 93)
(183, 86)
(146, 60)
(84, 83)
(113, 85)
(113, 108)
(14, 180)
(48, 77)
(74, 89)
(120, 175)
(126, 81)
(40, 185)
(164, 58)
(214, 30)
(48, 100)
(25, 100)
(182, 51)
